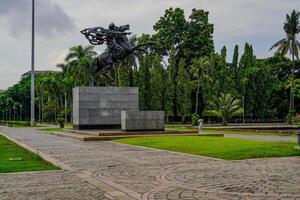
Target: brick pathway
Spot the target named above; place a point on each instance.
(47, 185)
(147, 174)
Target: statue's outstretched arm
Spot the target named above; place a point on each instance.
(120, 33)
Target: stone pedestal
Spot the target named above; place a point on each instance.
(143, 120)
(100, 107)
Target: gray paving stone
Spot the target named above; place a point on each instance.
(47, 185)
(152, 174)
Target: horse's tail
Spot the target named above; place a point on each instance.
(138, 47)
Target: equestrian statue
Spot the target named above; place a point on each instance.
(118, 48)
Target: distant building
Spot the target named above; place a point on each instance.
(27, 74)
(1, 91)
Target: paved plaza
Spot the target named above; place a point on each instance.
(106, 170)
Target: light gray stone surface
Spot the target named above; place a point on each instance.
(56, 185)
(93, 106)
(142, 120)
(148, 174)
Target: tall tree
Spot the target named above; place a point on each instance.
(170, 89)
(144, 83)
(224, 54)
(290, 44)
(192, 39)
(170, 30)
(246, 70)
(198, 38)
(169, 95)
(235, 57)
(234, 65)
(157, 84)
(183, 92)
(197, 70)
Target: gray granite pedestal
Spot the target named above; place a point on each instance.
(100, 107)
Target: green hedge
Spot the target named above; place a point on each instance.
(14, 123)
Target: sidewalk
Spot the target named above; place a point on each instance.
(142, 173)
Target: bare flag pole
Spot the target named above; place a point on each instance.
(32, 121)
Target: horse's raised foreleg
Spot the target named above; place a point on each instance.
(104, 71)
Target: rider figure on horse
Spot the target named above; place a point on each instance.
(118, 47)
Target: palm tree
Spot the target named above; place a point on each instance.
(225, 106)
(66, 85)
(78, 62)
(197, 68)
(296, 87)
(290, 44)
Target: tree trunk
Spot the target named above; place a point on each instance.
(183, 119)
(42, 107)
(54, 112)
(224, 121)
(40, 111)
(292, 84)
(66, 104)
(71, 114)
(197, 96)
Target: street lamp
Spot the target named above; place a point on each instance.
(32, 68)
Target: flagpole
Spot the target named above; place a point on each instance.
(32, 119)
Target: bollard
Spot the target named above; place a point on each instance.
(200, 126)
(298, 136)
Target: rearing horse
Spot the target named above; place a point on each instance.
(118, 48)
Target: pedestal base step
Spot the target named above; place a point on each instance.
(85, 137)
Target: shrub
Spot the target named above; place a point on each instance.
(224, 106)
(290, 118)
(195, 119)
(297, 117)
(61, 122)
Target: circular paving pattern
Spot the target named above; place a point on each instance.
(149, 174)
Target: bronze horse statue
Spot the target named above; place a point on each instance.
(118, 47)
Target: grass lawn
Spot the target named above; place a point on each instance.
(14, 158)
(263, 133)
(224, 148)
(179, 127)
(184, 127)
(53, 129)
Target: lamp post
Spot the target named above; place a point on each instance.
(32, 68)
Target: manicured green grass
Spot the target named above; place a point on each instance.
(52, 129)
(263, 133)
(18, 124)
(14, 158)
(224, 148)
(184, 127)
(179, 127)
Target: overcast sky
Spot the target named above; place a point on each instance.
(258, 22)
